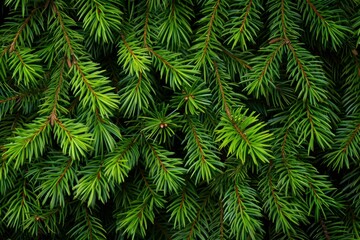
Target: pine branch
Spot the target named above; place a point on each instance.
(92, 88)
(236, 58)
(329, 25)
(284, 20)
(265, 70)
(25, 66)
(277, 207)
(73, 137)
(20, 33)
(70, 54)
(88, 227)
(57, 179)
(29, 142)
(166, 171)
(56, 94)
(159, 125)
(244, 136)
(135, 219)
(350, 189)
(100, 18)
(224, 96)
(318, 195)
(174, 28)
(310, 81)
(242, 212)
(242, 29)
(177, 71)
(20, 206)
(136, 94)
(333, 229)
(289, 170)
(346, 144)
(209, 33)
(133, 58)
(122, 159)
(352, 87)
(93, 185)
(105, 134)
(312, 123)
(183, 206)
(252, 94)
(195, 98)
(202, 157)
(20, 101)
(193, 230)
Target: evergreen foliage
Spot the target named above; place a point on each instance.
(180, 119)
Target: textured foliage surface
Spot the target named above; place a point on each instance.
(180, 119)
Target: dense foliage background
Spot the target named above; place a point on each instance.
(181, 119)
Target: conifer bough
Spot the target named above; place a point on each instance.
(180, 119)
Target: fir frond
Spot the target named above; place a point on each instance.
(12, 101)
(326, 22)
(183, 206)
(93, 185)
(305, 71)
(73, 137)
(29, 142)
(57, 178)
(18, 3)
(179, 119)
(351, 72)
(244, 23)
(175, 28)
(265, 70)
(284, 20)
(105, 134)
(22, 202)
(20, 31)
(100, 18)
(122, 159)
(319, 195)
(88, 226)
(284, 216)
(165, 170)
(177, 71)
(63, 36)
(237, 62)
(25, 67)
(223, 90)
(289, 170)
(135, 219)
(197, 228)
(347, 144)
(209, 33)
(160, 125)
(56, 97)
(350, 184)
(92, 88)
(244, 136)
(312, 124)
(136, 93)
(134, 58)
(331, 228)
(242, 211)
(195, 98)
(202, 158)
